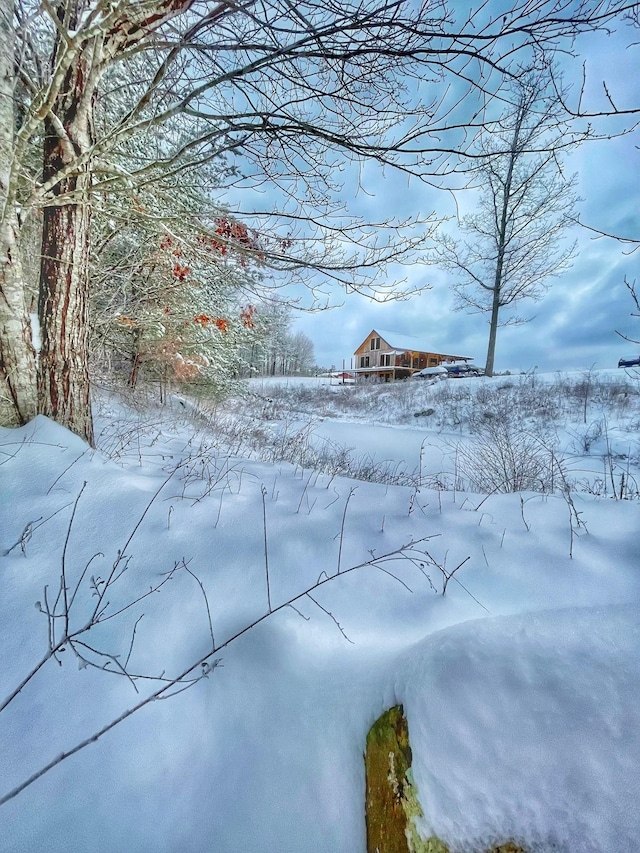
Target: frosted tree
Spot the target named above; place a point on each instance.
(515, 242)
(302, 358)
(170, 283)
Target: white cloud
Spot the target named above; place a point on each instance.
(574, 325)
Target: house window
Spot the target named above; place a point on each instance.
(416, 362)
(385, 359)
(364, 361)
(375, 343)
(433, 362)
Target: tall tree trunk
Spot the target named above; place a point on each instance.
(63, 308)
(63, 370)
(17, 356)
(498, 282)
(493, 332)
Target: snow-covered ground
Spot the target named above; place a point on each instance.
(520, 684)
(581, 427)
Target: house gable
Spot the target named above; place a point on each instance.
(391, 355)
(372, 343)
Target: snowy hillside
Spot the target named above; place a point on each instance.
(134, 571)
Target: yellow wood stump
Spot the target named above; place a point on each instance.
(387, 759)
(391, 797)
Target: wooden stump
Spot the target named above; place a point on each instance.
(391, 797)
(387, 759)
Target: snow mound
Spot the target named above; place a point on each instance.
(525, 727)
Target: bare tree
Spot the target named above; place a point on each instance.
(287, 87)
(613, 111)
(515, 242)
(635, 298)
(302, 359)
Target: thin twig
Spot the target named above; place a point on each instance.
(344, 516)
(391, 575)
(60, 476)
(63, 571)
(266, 550)
(110, 659)
(524, 520)
(332, 617)
(447, 577)
(75, 592)
(24, 537)
(133, 637)
(300, 613)
(184, 565)
(122, 551)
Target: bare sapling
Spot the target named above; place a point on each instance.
(344, 518)
(70, 624)
(412, 553)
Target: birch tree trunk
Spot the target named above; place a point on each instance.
(17, 356)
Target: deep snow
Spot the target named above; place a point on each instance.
(521, 684)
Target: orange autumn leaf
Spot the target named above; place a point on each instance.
(205, 320)
(180, 272)
(246, 317)
(202, 320)
(127, 321)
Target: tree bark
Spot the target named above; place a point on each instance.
(498, 281)
(63, 369)
(17, 355)
(63, 308)
(493, 332)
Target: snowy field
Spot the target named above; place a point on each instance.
(580, 426)
(131, 574)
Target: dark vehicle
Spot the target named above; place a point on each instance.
(629, 362)
(461, 370)
(457, 370)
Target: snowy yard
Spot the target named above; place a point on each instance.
(520, 683)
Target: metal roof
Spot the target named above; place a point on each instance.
(396, 340)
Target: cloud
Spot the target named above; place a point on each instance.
(574, 325)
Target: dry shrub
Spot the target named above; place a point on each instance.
(503, 458)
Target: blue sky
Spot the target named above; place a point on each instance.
(575, 324)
